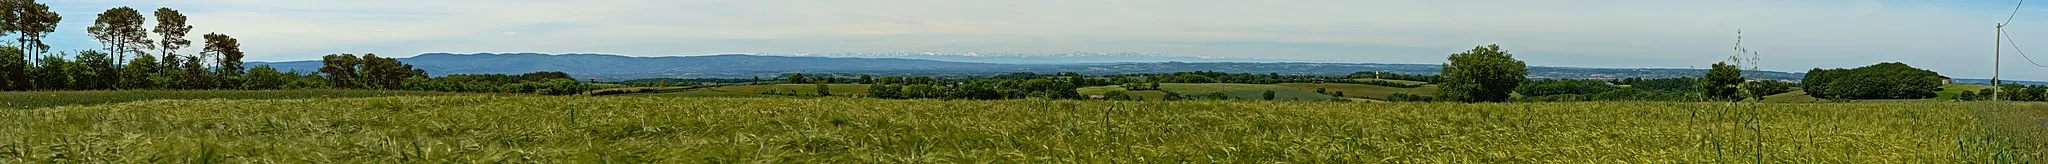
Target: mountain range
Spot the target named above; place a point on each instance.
(619, 67)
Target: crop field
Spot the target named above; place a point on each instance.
(27, 100)
(630, 129)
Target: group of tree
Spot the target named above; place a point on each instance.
(1880, 81)
(1048, 87)
(546, 83)
(123, 62)
(2008, 92)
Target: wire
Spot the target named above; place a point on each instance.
(2015, 11)
(2016, 48)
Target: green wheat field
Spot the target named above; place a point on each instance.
(547, 129)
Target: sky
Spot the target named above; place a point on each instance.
(1950, 37)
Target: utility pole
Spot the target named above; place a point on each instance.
(1999, 46)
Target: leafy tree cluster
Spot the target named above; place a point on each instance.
(1483, 74)
(547, 83)
(123, 62)
(1723, 82)
(1761, 88)
(2008, 92)
(1880, 81)
(1547, 87)
(368, 72)
(1050, 87)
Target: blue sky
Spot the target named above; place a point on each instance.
(1951, 37)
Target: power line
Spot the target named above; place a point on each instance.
(2015, 11)
(2016, 48)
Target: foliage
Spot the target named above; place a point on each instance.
(1546, 87)
(1681, 84)
(228, 51)
(171, 28)
(547, 83)
(1880, 81)
(1722, 82)
(263, 77)
(1759, 89)
(1484, 74)
(120, 29)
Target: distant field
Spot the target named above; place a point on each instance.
(1242, 91)
(1395, 81)
(627, 129)
(1374, 92)
(62, 98)
(853, 90)
(1948, 92)
(1145, 95)
(1797, 96)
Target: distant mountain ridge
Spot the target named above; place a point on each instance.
(1050, 58)
(618, 67)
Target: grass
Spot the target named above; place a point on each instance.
(1949, 91)
(1242, 91)
(625, 129)
(1374, 92)
(43, 99)
(845, 90)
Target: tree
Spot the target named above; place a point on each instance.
(1967, 96)
(1722, 82)
(865, 79)
(1340, 94)
(1880, 81)
(171, 27)
(1484, 74)
(265, 77)
(97, 71)
(824, 90)
(137, 74)
(120, 30)
(1320, 90)
(229, 52)
(1759, 89)
(796, 78)
(1816, 82)
(52, 73)
(13, 69)
(384, 73)
(32, 20)
(194, 74)
(1268, 95)
(340, 69)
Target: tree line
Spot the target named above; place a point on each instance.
(124, 60)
